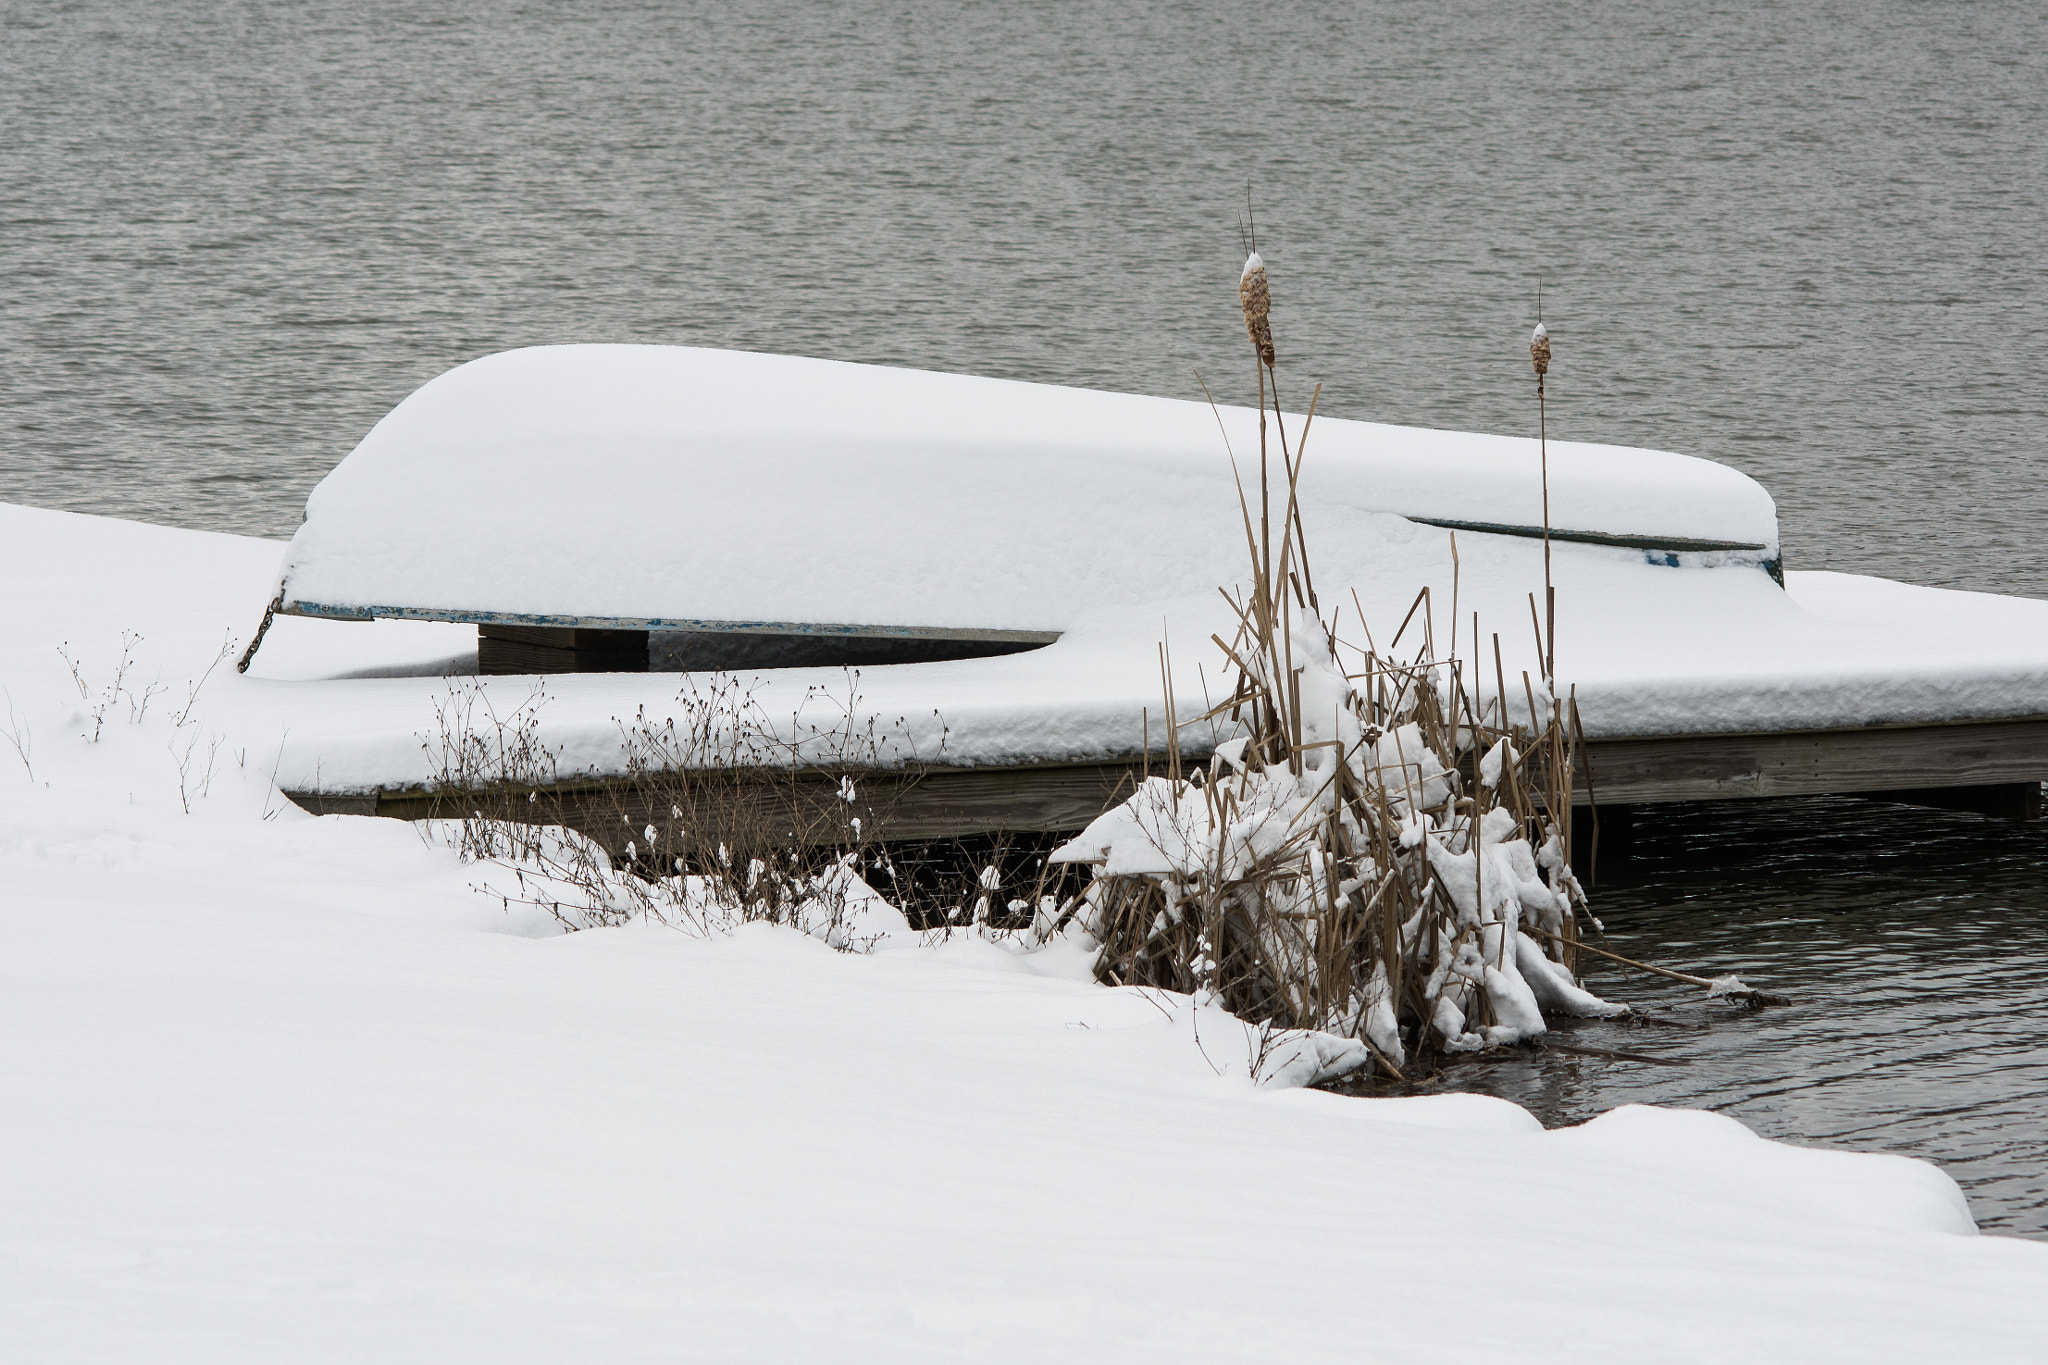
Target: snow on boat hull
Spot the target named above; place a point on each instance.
(653, 487)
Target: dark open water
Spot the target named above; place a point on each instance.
(1912, 944)
(1807, 239)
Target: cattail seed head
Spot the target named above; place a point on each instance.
(1539, 350)
(1257, 299)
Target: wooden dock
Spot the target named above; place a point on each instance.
(1993, 768)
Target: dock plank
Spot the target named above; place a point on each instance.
(1818, 762)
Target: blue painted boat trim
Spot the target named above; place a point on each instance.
(1677, 544)
(1659, 550)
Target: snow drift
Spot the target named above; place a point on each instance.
(286, 1088)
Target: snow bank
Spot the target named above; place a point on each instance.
(675, 483)
(280, 1088)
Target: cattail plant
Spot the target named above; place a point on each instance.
(1255, 296)
(1376, 854)
(1539, 358)
(1379, 852)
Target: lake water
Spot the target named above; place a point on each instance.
(1912, 944)
(1805, 239)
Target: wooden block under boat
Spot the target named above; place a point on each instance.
(551, 649)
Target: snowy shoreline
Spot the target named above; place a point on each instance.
(288, 1087)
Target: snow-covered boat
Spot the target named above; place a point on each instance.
(678, 489)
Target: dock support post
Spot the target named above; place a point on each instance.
(1617, 836)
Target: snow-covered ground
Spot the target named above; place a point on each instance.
(286, 1088)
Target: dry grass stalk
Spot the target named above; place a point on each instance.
(716, 817)
(720, 816)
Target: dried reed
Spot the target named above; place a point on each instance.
(720, 815)
(1539, 359)
(1364, 857)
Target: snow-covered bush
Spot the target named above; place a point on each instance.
(718, 818)
(717, 815)
(1369, 861)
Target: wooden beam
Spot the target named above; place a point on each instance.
(2004, 760)
(1818, 762)
(933, 804)
(710, 651)
(692, 625)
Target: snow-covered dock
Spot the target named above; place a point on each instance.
(1003, 561)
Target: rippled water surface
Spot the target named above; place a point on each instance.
(1914, 945)
(1805, 239)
